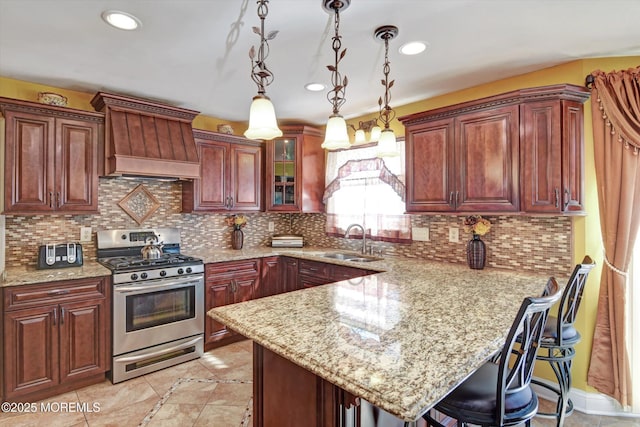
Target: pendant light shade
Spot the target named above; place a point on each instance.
(360, 137)
(387, 144)
(262, 120)
(375, 133)
(336, 136)
(262, 115)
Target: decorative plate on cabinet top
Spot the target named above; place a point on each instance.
(51, 98)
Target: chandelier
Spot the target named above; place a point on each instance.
(387, 143)
(262, 115)
(336, 136)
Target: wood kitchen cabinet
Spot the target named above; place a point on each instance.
(56, 337)
(467, 163)
(230, 175)
(517, 151)
(294, 172)
(271, 282)
(289, 273)
(228, 283)
(51, 158)
(315, 273)
(552, 157)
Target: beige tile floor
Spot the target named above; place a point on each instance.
(214, 390)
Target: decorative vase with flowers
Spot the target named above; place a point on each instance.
(238, 222)
(476, 250)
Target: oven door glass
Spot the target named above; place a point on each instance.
(159, 308)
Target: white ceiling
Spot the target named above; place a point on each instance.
(194, 53)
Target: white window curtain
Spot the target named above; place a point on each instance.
(367, 190)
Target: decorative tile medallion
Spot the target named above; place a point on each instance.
(139, 204)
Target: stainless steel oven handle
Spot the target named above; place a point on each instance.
(165, 284)
(159, 352)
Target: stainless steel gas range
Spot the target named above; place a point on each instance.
(158, 303)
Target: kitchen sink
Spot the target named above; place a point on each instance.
(345, 256)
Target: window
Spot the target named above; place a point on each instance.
(367, 190)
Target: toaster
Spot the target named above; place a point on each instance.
(59, 255)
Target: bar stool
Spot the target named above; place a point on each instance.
(498, 394)
(559, 339)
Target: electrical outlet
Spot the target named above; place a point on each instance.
(454, 234)
(420, 234)
(85, 234)
(271, 226)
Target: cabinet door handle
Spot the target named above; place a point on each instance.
(62, 315)
(230, 201)
(58, 199)
(566, 199)
(55, 316)
(51, 199)
(457, 192)
(556, 191)
(451, 198)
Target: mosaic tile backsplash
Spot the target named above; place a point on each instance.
(541, 244)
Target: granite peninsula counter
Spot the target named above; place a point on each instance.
(400, 339)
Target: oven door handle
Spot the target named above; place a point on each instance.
(159, 352)
(167, 285)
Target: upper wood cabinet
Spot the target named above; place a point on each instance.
(230, 175)
(51, 158)
(518, 151)
(466, 163)
(295, 171)
(552, 157)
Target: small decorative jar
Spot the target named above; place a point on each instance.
(476, 253)
(237, 238)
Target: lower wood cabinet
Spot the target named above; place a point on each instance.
(271, 282)
(228, 283)
(56, 337)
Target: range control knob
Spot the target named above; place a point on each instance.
(189, 270)
(180, 271)
(163, 273)
(134, 276)
(143, 276)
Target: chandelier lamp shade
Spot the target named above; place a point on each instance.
(336, 136)
(370, 126)
(387, 143)
(262, 115)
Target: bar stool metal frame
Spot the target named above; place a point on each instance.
(500, 394)
(559, 339)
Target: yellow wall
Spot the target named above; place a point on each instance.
(18, 89)
(586, 230)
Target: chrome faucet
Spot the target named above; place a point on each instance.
(364, 237)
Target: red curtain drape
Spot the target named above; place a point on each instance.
(615, 105)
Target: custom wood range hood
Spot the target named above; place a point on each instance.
(146, 138)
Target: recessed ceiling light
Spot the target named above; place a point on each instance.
(314, 87)
(121, 20)
(413, 48)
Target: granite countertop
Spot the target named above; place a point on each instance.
(24, 275)
(400, 339)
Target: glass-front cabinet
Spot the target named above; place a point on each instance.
(284, 170)
(295, 171)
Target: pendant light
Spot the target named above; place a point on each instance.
(336, 136)
(387, 143)
(262, 115)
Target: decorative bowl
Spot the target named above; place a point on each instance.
(51, 98)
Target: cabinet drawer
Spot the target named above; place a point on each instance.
(250, 267)
(305, 281)
(341, 272)
(314, 269)
(54, 292)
